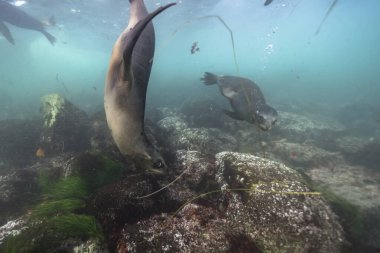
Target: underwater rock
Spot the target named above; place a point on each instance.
(18, 142)
(101, 139)
(360, 151)
(194, 229)
(299, 128)
(279, 210)
(198, 176)
(303, 154)
(90, 246)
(172, 124)
(204, 113)
(369, 238)
(17, 190)
(176, 135)
(158, 113)
(12, 228)
(253, 205)
(117, 204)
(357, 184)
(360, 118)
(65, 127)
(350, 145)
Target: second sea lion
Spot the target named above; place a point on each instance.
(246, 99)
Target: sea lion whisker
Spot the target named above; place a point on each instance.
(164, 187)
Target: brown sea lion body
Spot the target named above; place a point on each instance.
(126, 86)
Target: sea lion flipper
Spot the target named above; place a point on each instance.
(50, 37)
(209, 78)
(7, 34)
(132, 38)
(232, 115)
(228, 92)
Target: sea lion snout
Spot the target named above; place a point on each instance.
(266, 117)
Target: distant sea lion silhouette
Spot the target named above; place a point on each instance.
(268, 2)
(126, 86)
(246, 99)
(15, 16)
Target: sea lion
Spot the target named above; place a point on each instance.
(15, 16)
(126, 85)
(246, 99)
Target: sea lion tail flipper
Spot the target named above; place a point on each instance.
(136, 31)
(7, 34)
(209, 78)
(232, 115)
(50, 37)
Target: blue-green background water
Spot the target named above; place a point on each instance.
(275, 45)
(334, 73)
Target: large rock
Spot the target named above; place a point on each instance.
(256, 206)
(279, 210)
(177, 135)
(204, 113)
(17, 190)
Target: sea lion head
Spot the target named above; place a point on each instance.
(266, 117)
(151, 160)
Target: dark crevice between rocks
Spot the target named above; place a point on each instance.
(241, 243)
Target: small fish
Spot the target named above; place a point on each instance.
(40, 153)
(194, 48)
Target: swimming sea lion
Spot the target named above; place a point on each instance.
(15, 16)
(126, 85)
(246, 99)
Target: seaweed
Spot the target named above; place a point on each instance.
(98, 170)
(56, 219)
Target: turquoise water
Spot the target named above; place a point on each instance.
(275, 45)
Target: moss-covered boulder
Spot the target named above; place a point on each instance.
(59, 217)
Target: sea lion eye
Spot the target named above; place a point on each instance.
(158, 164)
